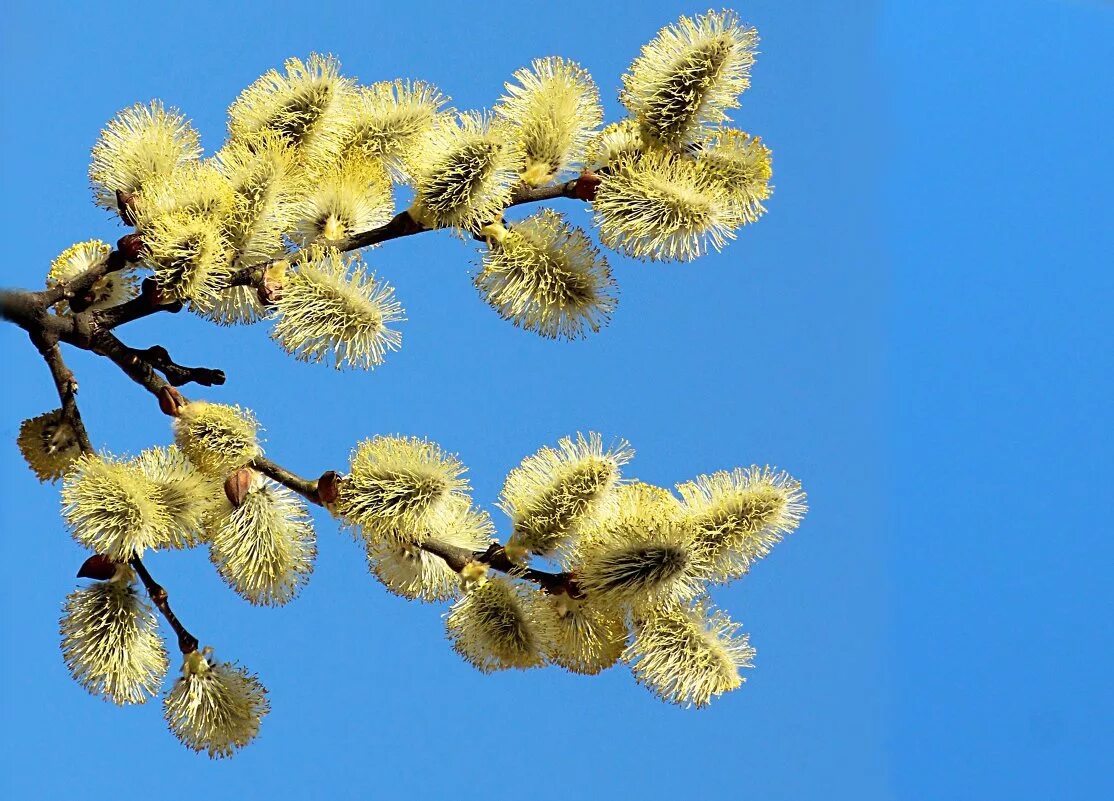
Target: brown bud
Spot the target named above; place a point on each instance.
(327, 487)
(171, 401)
(269, 291)
(131, 246)
(586, 186)
(125, 202)
(237, 486)
(97, 567)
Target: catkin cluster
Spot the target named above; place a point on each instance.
(266, 228)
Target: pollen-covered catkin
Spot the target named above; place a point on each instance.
(556, 491)
(546, 276)
(396, 485)
(494, 627)
(111, 642)
(687, 655)
(740, 515)
(140, 144)
(464, 169)
(215, 707)
(113, 508)
(49, 444)
(553, 108)
(332, 309)
(689, 75)
(265, 547)
(216, 437)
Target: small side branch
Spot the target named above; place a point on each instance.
(187, 643)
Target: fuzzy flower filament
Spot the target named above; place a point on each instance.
(217, 438)
(396, 486)
(546, 276)
(689, 75)
(140, 144)
(464, 171)
(553, 109)
(686, 655)
(48, 444)
(386, 122)
(110, 290)
(264, 548)
(111, 642)
(740, 515)
(332, 309)
(216, 707)
(556, 491)
(494, 627)
(582, 637)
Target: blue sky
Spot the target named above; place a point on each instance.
(914, 331)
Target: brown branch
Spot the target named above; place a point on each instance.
(455, 557)
(146, 303)
(187, 643)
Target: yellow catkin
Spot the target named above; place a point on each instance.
(386, 122)
(687, 655)
(740, 515)
(112, 289)
(642, 555)
(332, 310)
(215, 707)
(581, 637)
(407, 570)
(216, 437)
(662, 206)
(111, 642)
(113, 508)
(741, 165)
(186, 494)
(140, 144)
(553, 108)
(352, 197)
(547, 277)
(689, 75)
(494, 627)
(265, 548)
(556, 491)
(48, 444)
(396, 486)
(464, 170)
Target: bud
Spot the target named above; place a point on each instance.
(98, 567)
(236, 486)
(170, 401)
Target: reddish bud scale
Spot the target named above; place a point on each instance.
(97, 567)
(237, 486)
(170, 401)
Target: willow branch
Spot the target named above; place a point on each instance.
(66, 386)
(455, 556)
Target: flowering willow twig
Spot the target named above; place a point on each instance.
(67, 389)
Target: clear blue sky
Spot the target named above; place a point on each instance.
(914, 330)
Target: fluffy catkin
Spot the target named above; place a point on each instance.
(581, 637)
(140, 144)
(407, 570)
(494, 627)
(185, 493)
(215, 707)
(740, 515)
(216, 437)
(332, 310)
(686, 655)
(265, 548)
(556, 491)
(546, 276)
(689, 75)
(112, 289)
(111, 642)
(48, 444)
(396, 486)
(553, 108)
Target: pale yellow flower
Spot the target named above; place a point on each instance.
(216, 437)
(740, 515)
(387, 120)
(216, 707)
(686, 655)
(111, 642)
(494, 627)
(112, 289)
(581, 636)
(689, 75)
(332, 310)
(556, 491)
(49, 445)
(553, 110)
